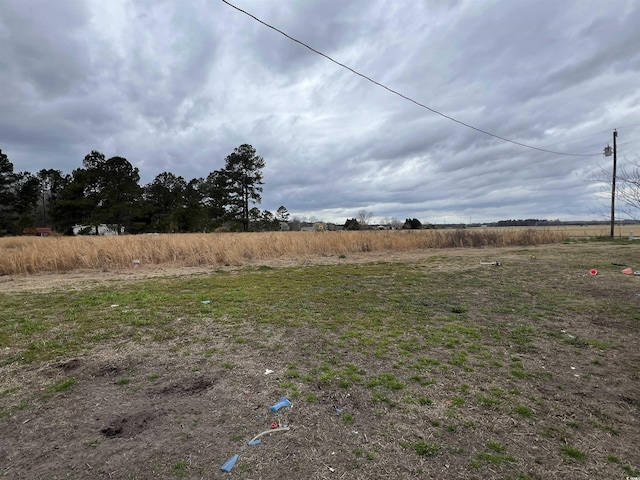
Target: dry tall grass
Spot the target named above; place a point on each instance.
(581, 231)
(27, 255)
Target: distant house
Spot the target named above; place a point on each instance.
(312, 227)
(39, 231)
(103, 229)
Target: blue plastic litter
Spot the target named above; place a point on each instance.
(255, 442)
(228, 465)
(283, 402)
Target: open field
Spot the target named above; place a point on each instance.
(423, 364)
(28, 255)
(581, 231)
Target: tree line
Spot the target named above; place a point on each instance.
(108, 191)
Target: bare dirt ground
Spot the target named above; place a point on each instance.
(153, 411)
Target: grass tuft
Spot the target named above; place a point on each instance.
(523, 410)
(573, 453)
(385, 380)
(426, 449)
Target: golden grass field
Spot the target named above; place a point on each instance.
(29, 255)
(585, 231)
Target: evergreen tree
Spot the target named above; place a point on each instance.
(7, 194)
(243, 170)
(351, 224)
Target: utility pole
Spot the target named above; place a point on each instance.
(607, 153)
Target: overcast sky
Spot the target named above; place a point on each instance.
(176, 85)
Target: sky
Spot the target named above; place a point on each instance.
(175, 86)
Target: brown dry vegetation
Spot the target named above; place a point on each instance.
(29, 255)
(584, 231)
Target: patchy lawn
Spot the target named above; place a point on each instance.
(431, 364)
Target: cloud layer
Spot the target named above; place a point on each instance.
(176, 86)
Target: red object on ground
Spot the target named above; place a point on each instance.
(628, 271)
(274, 424)
(593, 271)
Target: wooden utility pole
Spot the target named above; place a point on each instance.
(613, 184)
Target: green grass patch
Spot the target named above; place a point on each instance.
(523, 410)
(10, 391)
(54, 388)
(424, 449)
(487, 401)
(180, 469)
(62, 385)
(344, 376)
(380, 397)
(385, 380)
(424, 382)
(494, 454)
(573, 453)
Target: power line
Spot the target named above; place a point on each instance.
(573, 139)
(395, 92)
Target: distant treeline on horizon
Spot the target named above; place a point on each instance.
(534, 222)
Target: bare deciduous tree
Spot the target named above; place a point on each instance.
(364, 217)
(627, 194)
(628, 188)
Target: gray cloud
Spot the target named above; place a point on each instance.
(176, 86)
(42, 55)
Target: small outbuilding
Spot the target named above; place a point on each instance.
(39, 231)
